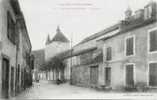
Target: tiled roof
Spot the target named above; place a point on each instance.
(96, 35)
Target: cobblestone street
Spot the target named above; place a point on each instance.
(45, 90)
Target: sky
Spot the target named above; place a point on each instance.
(77, 18)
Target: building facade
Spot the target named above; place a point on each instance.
(129, 55)
(128, 52)
(14, 38)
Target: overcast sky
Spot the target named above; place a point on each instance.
(77, 18)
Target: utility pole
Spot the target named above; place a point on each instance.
(71, 41)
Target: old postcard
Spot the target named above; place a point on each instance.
(78, 49)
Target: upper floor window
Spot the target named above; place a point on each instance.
(109, 53)
(11, 28)
(153, 40)
(129, 46)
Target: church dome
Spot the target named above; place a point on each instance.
(59, 36)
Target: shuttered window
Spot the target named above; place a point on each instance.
(108, 76)
(153, 74)
(109, 54)
(130, 75)
(153, 41)
(130, 46)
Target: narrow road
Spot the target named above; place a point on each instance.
(45, 90)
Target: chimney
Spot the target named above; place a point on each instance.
(139, 13)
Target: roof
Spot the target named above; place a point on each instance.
(96, 35)
(134, 23)
(59, 36)
(70, 53)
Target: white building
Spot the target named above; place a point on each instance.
(58, 44)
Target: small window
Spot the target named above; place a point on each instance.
(153, 41)
(130, 46)
(109, 54)
(153, 74)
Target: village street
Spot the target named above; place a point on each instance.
(45, 90)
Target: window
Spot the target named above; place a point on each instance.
(109, 54)
(11, 29)
(129, 75)
(108, 76)
(153, 74)
(130, 46)
(153, 40)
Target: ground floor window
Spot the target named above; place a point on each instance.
(108, 76)
(129, 79)
(153, 74)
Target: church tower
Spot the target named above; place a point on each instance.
(59, 43)
(47, 40)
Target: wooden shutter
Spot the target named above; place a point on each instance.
(153, 40)
(108, 76)
(109, 53)
(130, 46)
(153, 74)
(129, 75)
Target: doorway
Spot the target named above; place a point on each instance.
(94, 75)
(5, 77)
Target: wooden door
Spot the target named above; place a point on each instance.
(153, 74)
(94, 74)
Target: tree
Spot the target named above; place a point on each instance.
(56, 65)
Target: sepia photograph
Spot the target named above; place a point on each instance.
(78, 49)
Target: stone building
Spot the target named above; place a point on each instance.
(15, 48)
(125, 53)
(58, 44)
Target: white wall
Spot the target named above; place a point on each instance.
(54, 48)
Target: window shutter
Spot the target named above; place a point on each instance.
(153, 41)
(130, 46)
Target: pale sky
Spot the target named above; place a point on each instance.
(77, 18)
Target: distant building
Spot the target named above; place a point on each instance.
(56, 45)
(15, 50)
